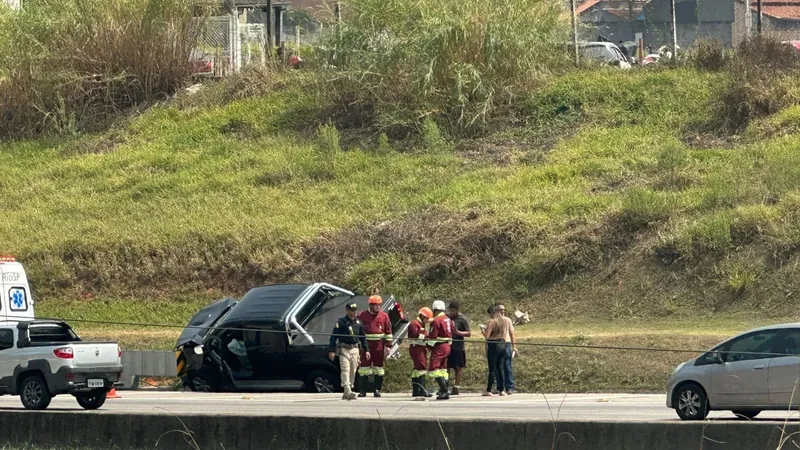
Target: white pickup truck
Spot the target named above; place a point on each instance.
(40, 359)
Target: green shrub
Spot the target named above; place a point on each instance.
(433, 138)
(739, 273)
(707, 236)
(329, 139)
(709, 55)
(641, 207)
(385, 269)
(751, 222)
(384, 147)
(786, 122)
(672, 163)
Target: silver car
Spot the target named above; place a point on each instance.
(755, 371)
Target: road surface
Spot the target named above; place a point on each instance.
(564, 407)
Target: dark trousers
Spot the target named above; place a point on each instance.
(508, 373)
(496, 358)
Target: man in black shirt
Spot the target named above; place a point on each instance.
(458, 355)
(350, 333)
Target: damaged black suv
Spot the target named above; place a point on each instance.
(275, 338)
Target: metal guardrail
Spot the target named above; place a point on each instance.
(137, 364)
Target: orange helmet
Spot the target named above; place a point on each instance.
(375, 300)
(426, 312)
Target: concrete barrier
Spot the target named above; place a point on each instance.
(137, 364)
(142, 431)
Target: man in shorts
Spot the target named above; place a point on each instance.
(458, 354)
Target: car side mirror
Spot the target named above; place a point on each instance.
(716, 357)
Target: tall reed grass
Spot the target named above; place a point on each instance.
(457, 61)
(70, 65)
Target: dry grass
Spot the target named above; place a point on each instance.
(761, 82)
(84, 62)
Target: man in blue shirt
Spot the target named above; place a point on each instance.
(349, 332)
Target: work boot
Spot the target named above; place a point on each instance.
(443, 395)
(362, 386)
(378, 385)
(454, 390)
(415, 387)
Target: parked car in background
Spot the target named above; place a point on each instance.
(794, 44)
(603, 53)
(275, 338)
(755, 371)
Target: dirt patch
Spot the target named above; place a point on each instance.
(433, 244)
(707, 140)
(515, 144)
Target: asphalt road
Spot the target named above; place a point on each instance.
(564, 407)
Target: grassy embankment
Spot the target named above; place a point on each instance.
(635, 209)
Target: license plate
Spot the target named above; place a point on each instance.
(95, 383)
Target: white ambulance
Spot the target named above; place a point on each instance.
(15, 293)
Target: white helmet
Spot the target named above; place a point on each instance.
(438, 305)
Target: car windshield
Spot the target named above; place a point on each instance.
(601, 53)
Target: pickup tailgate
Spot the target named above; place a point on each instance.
(89, 354)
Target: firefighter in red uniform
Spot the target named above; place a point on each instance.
(419, 352)
(378, 329)
(439, 337)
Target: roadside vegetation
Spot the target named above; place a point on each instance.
(594, 199)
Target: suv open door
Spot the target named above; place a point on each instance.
(309, 336)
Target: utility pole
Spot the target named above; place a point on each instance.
(574, 15)
(759, 17)
(674, 31)
(748, 20)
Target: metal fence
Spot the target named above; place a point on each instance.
(217, 42)
(230, 45)
(661, 24)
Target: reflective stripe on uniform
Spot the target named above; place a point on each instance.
(439, 373)
(374, 337)
(418, 373)
(388, 337)
(365, 371)
(416, 341)
(378, 371)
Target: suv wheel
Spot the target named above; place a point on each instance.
(322, 381)
(201, 382)
(34, 393)
(692, 403)
(92, 400)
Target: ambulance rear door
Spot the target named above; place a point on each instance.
(15, 293)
